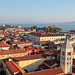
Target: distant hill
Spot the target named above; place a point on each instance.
(65, 23)
(42, 23)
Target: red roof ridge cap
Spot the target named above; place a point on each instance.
(18, 67)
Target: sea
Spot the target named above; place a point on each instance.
(64, 27)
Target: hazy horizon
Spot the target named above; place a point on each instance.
(39, 11)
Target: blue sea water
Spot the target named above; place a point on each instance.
(64, 27)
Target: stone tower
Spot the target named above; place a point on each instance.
(66, 57)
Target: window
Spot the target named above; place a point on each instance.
(70, 62)
(67, 63)
(70, 58)
(63, 53)
(63, 63)
(63, 58)
(67, 58)
(69, 53)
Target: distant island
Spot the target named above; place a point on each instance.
(52, 28)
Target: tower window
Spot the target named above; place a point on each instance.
(70, 62)
(69, 53)
(63, 63)
(67, 58)
(67, 63)
(63, 53)
(70, 58)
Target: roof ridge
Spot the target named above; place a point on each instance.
(18, 67)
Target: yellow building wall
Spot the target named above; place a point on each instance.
(30, 62)
(13, 55)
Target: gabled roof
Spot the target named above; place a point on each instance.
(31, 57)
(14, 67)
(6, 52)
(52, 71)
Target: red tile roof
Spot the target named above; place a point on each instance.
(19, 68)
(44, 41)
(4, 45)
(5, 52)
(52, 71)
(19, 73)
(52, 62)
(43, 66)
(31, 57)
(19, 42)
(12, 67)
(72, 30)
(45, 35)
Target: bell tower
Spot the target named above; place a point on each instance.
(66, 57)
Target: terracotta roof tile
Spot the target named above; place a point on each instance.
(19, 42)
(12, 66)
(5, 52)
(52, 71)
(43, 66)
(28, 57)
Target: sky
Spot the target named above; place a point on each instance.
(37, 11)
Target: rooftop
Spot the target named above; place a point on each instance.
(14, 67)
(44, 34)
(5, 52)
(38, 56)
(19, 42)
(52, 71)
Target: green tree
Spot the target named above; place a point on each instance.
(26, 28)
(3, 39)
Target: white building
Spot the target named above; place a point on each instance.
(42, 36)
(66, 58)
